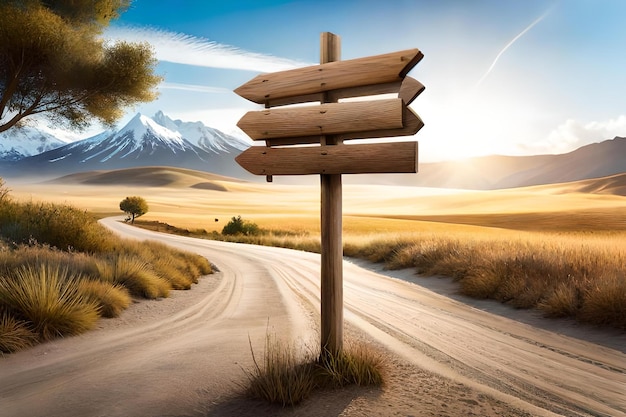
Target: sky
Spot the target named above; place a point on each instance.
(513, 77)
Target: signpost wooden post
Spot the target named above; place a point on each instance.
(326, 126)
(331, 294)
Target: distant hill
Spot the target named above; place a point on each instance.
(495, 172)
(149, 177)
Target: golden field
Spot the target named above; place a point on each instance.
(559, 248)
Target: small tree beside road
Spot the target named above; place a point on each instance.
(134, 206)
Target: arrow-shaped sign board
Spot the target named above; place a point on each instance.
(325, 119)
(353, 73)
(370, 158)
(339, 121)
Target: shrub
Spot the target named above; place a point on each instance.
(238, 226)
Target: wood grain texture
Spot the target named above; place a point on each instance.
(325, 119)
(331, 228)
(411, 122)
(408, 89)
(369, 158)
(379, 69)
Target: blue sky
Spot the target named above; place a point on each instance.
(502, 76)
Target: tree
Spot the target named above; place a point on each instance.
(53, 61)
(134, 206)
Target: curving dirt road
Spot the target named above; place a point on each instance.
(169, 361)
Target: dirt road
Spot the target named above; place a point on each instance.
(183, 355)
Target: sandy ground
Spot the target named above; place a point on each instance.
(183, 356)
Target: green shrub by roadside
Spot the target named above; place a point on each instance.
(239, 226)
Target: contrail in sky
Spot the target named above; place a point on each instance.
(511, 42)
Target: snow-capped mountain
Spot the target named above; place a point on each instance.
(17, 143)
(142, 142)
(208, 138)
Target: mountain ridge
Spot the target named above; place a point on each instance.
(143, 141)
(162, 141)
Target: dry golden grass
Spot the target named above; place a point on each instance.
(47, 297)
(287, 373)
(554, 247)
(111, 299)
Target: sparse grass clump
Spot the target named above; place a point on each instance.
(359, 364)
(283, 377)
(288, 375)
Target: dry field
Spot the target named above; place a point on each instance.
(191, 199)
(559, 248)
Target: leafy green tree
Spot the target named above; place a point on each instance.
(54, 61)
(237, 226)
(134, 206)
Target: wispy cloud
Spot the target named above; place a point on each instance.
(194, 87)
(511, 42)
(573, 134)
(181, 48)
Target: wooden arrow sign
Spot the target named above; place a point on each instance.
(411, 124)
(325, 119)
(371, 158)
(305, 82)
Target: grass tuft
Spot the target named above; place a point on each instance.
(47, 297)
(15, 334)
(358, 364)
(282, 377)
(134, 274)
(111, 299)
(288, 375)
(605, 301)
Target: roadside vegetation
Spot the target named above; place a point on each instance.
(287, 374)
(61, 271)
(561, 271)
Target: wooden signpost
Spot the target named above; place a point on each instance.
(325, 127)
